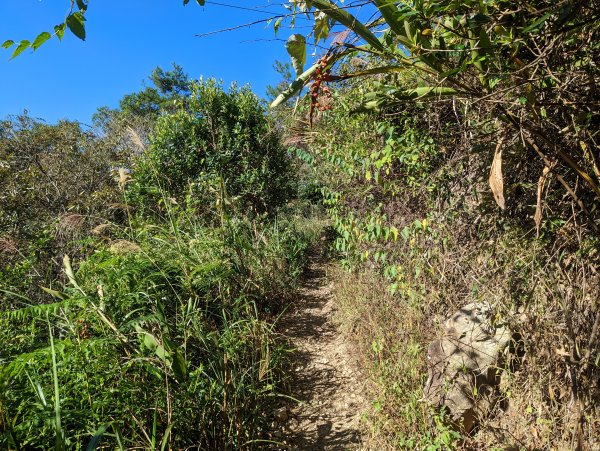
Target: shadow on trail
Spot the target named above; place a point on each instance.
(328, 412)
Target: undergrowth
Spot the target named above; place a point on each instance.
(419, 236)
(153, 328)
(164, 337)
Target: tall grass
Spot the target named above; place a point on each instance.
(163, 339)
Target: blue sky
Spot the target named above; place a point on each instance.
(126, 39)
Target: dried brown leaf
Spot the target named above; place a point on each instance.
(540, 189)
(496, 179)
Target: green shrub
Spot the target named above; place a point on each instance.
(222, 139)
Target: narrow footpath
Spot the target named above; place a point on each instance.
(325, 380)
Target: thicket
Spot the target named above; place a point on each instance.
(131, 320)
(457, 156)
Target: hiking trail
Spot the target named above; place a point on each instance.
(325, 379)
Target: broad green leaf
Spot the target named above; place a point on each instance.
(151, 343)
(347, 19)
(7, 44)
(75, 22)
(24, 44)
(42, 37)
(405, 233)
(296, 48)
(321, 27)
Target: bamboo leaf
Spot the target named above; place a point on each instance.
(347, 19)
(379, 100)
(69, 272)
(390, 13)
(165, 440)
(54, 293)
(59, 443)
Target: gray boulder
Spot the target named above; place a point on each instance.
(464, 364)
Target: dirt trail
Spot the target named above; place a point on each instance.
(325, 379)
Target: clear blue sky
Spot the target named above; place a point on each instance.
(126, 39)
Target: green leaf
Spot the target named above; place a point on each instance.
(60, 441)
(75, 22)
(347, 19)
(379, 100)
(164, 444)
(296, 48)
(295, 86)
(322, 26)
(405, 233)
(179, 365)
(97, 438)
(82, 5)
(151, 343)
(24, 44)
(59, 30)
(42, 37)
(390, 13)
(277, 25)
(7, 44)
(536, 23)
(54, 293)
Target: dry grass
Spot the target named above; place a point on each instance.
(391, 345)
(69, 224)
(8, 245)
(124, 247)
(550, 384)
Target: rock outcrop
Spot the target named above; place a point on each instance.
(464, 364)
